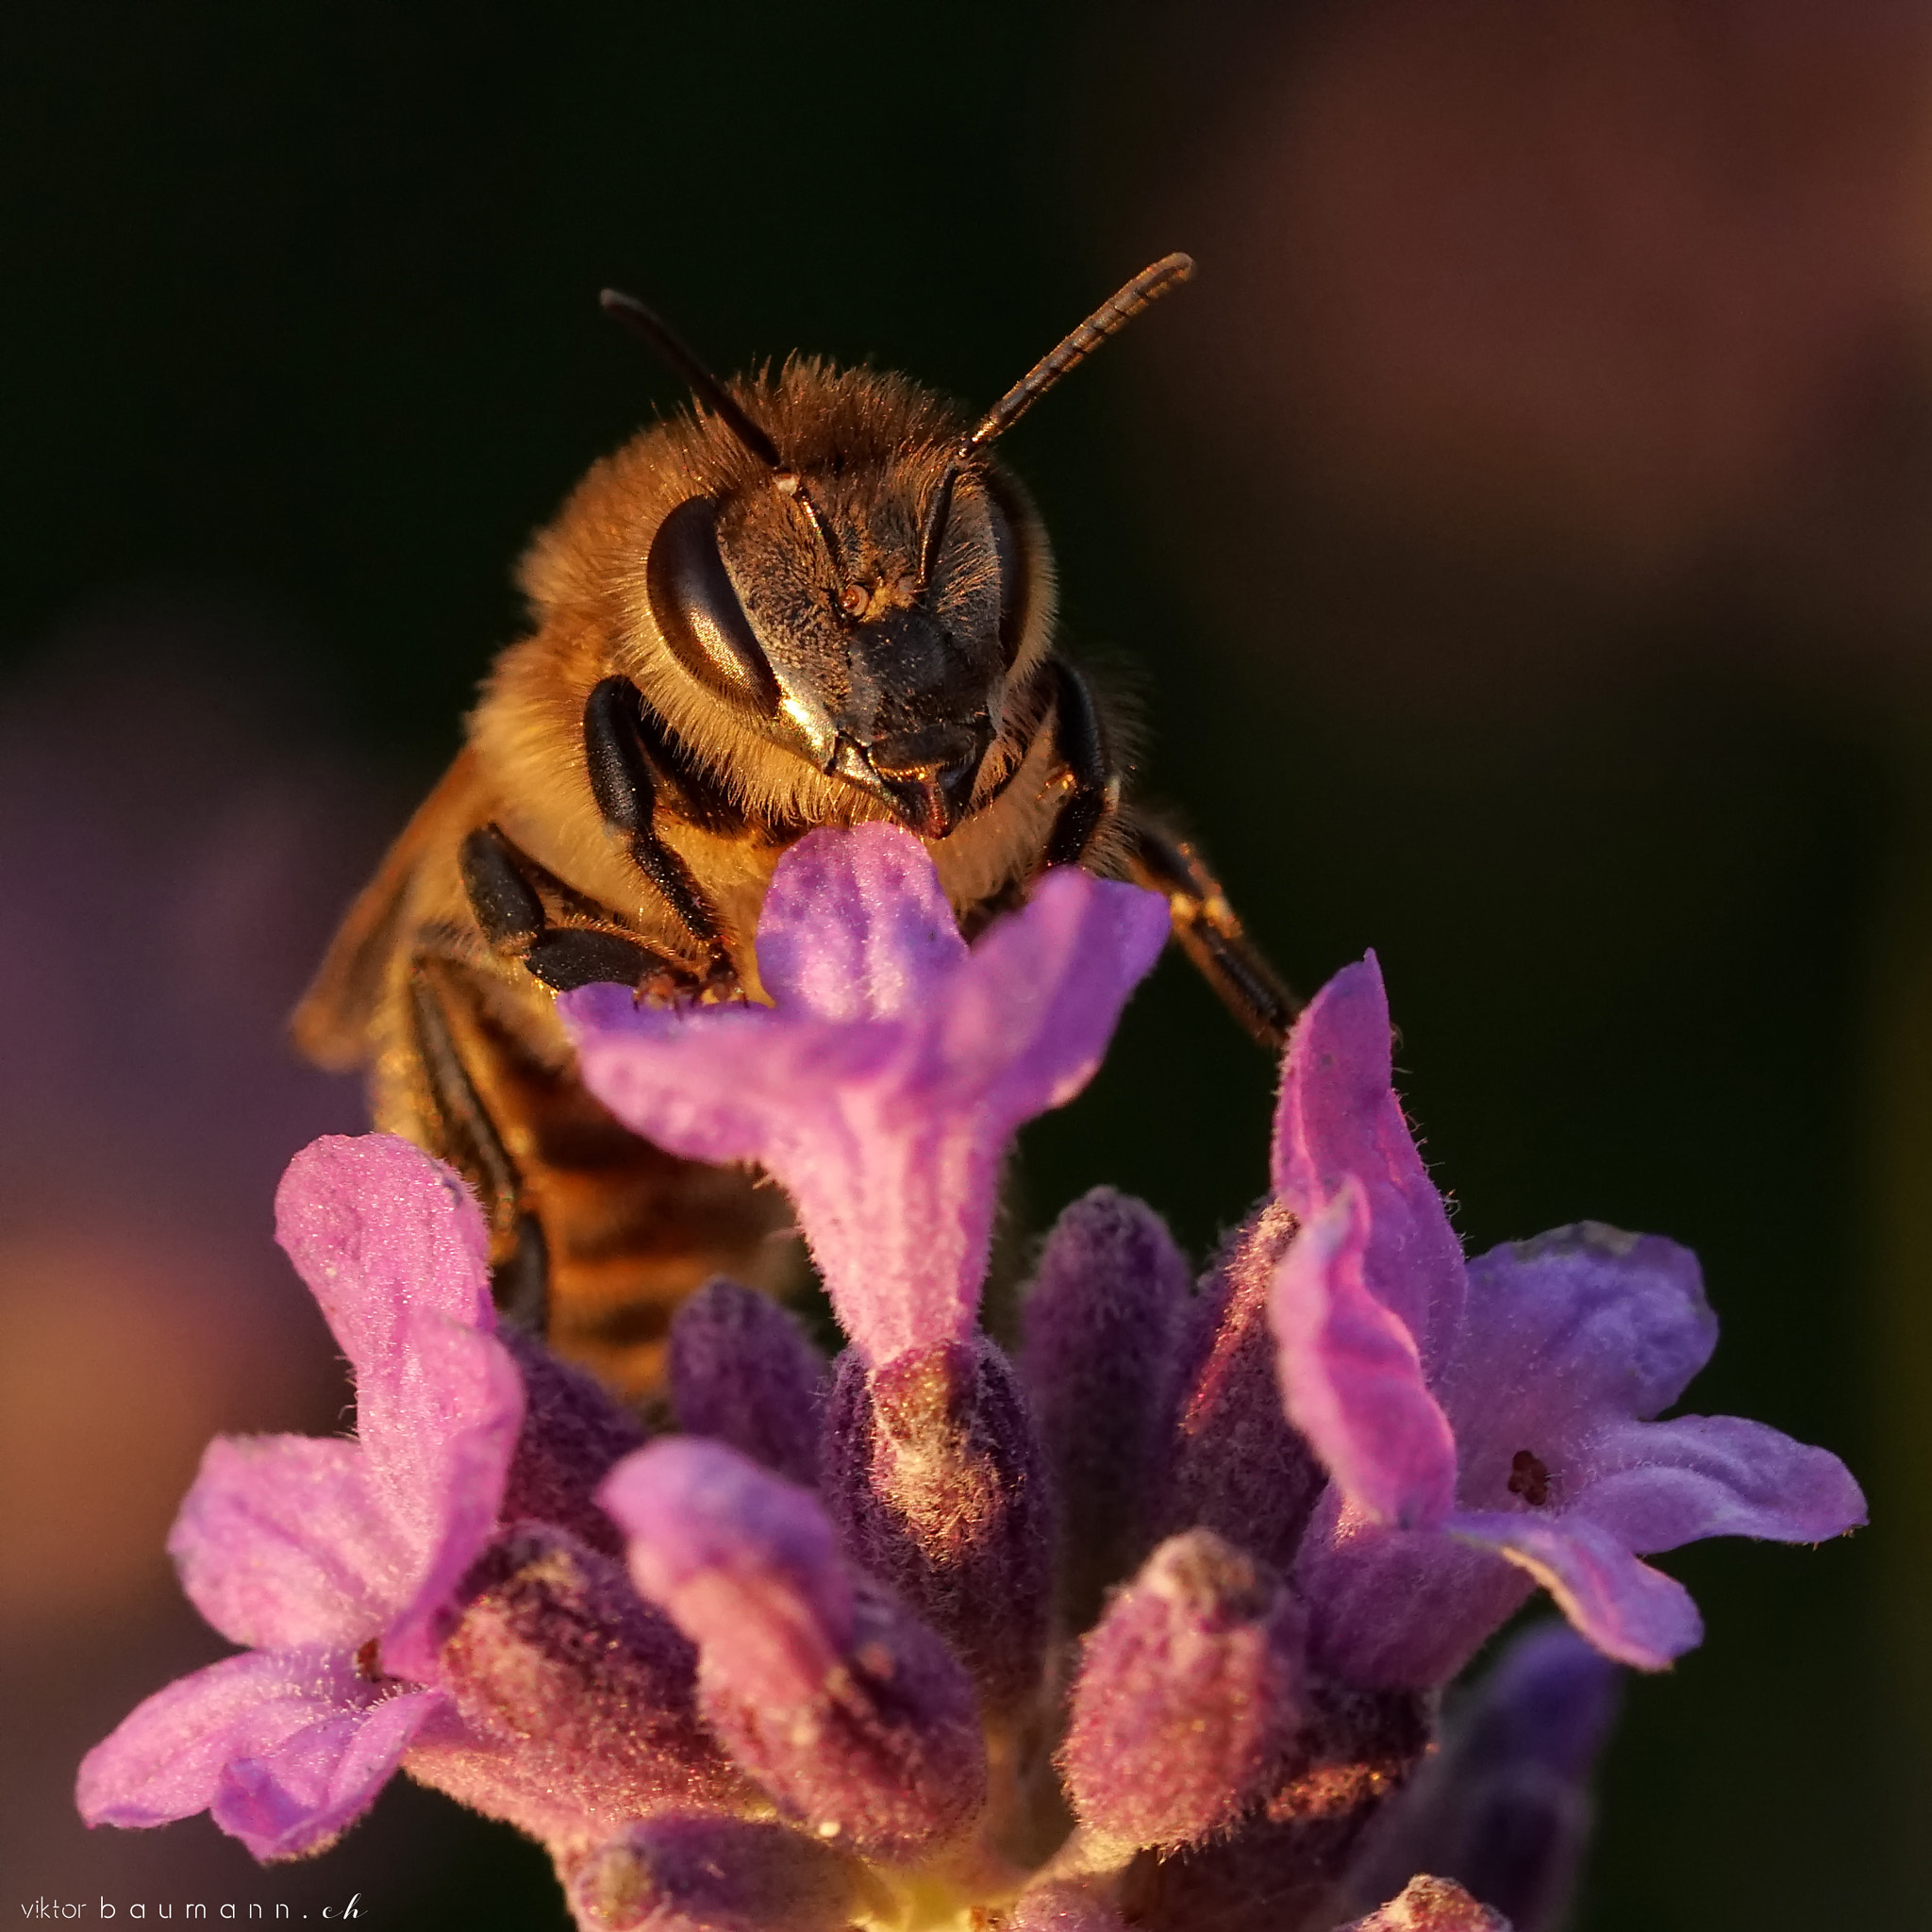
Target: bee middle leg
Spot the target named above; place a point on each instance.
(500, 881)
(1094, 785)
(1211, 932)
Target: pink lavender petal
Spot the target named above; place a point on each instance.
(377, 1228)
(1041, 991)
(1630, 1611)
(283, 1542)
(855, 927)
(272, 1743)
(301, 1797)
(1351, 1374)
(463, 1401)
(883, 1112)
(746, 1565)
(1654, 1485)
(1337, 1118)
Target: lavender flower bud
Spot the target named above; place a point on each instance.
(742, 1372)
(573, 1434)
(1430, 1905)
(1064, 1906)
(852, 1714)
(1102, 1320)
(694, 1873)
(934, 1474)
(576, 1701)
(1240, 1467)
(1504, 1808)
(1189, 1693)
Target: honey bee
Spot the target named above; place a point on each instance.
(815, 599)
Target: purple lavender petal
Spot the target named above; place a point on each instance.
(1630, 1611)
(742, 1372)
(272, 1742)
(1238, 1467)
(1188, 1692)
(884, 1124)
(1351, 1374)
(1393, 1609)
(852, 1715)
(1430, 1905)
(396, 1253)
(1102, 1318)
(1041, 993)
(1654, 1485)
(932, 1470)
(856, 927)
(283, 1542)
(463, 1402)
(575, 1703)
(746, 1565)
(1579, 1328)
(1337, 1118)
(300, 1798)
(688, 1872)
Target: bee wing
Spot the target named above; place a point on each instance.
(336, 1023)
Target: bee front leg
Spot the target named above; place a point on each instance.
(625, 783)
(1094, 785)
(1211, 932)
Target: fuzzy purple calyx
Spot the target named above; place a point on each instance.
(693, 1871)
(1189, 1693)
(1430, 1905)
(741, 1371)
(1102, 1319)
(933, 1473)
(575, 1703)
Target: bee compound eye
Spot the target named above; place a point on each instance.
(697, 609)
(1014, 585)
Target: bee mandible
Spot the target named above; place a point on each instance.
(818, 598)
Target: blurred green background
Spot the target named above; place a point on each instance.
(1515, 545)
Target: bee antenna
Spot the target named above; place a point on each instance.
(1113, 315)
(703, 385)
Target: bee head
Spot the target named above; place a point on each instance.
(866, 584)
(863, 605)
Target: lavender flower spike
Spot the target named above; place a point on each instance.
(883, 1086)
(1494, 1424)
(853, 1717)
(333, 1560)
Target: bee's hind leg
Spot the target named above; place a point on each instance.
(1211, 932)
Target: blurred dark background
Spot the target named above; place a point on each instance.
(1516, 544)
